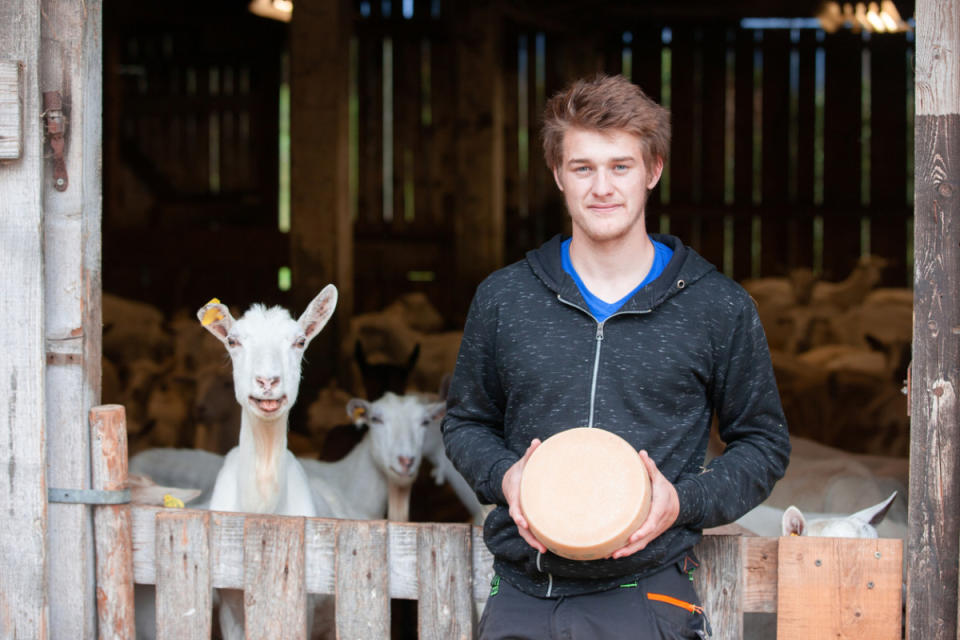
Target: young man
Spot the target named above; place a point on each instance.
(632, 333)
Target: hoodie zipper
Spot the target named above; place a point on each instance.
(599, 341)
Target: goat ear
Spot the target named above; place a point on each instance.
(875, 514)
(358, 409)
(318, 312)
(216, 318)
(793, 523)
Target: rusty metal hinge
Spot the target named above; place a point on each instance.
(56, 128)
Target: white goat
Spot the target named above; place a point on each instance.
(260, 475)
(764, 520)
(381, 468)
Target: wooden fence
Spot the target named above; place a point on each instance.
(819, 587)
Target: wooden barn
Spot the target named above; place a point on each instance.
(155, 156)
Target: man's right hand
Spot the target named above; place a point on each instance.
(511, 491)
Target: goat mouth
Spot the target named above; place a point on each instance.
(268, 405)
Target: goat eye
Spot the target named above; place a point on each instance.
(376, 420)
(300, 343)
(232, 342)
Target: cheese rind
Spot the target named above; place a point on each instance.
(583, 492)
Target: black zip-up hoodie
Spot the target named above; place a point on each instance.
(534, 362)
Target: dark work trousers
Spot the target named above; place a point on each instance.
(623, 612)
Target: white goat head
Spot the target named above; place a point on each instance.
(266, 347)
(857, 525)
(397, 426)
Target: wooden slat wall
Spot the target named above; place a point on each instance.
(190, 132)
(783, 191)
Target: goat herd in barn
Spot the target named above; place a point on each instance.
(203, 411)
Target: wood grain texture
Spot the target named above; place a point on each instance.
(937, 60)
(839, 588)
(70, 65)
(23, 454)
(934, 512)
(363, 597)
(719, 582)
(445, 606)
(183, 595)
(759, 574)
(11, 110)
(274, 586)
(112, 524)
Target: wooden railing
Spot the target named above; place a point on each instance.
(819, 587)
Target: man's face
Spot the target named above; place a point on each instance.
(605, 183)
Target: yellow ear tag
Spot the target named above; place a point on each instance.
(171, 502)
(358, 413)
(212, 314)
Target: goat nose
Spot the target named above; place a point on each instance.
(268, 383)
(405, 462)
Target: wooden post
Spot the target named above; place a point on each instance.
(479, 216)
(934, 512)
(113, 528)
(70, 66)
(321, 234)
(23, 453)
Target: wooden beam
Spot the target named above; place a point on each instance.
(933, 542)
(70, 66)
(479, 212)
(23, 454)
(321, 234)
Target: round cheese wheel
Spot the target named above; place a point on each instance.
(583, 492)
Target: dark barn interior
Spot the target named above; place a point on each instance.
(391, 147)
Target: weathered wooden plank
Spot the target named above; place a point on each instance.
(719, 582)
(275, 596)
(839, 588)
(446, 600)
(112, 527)
(23, 454)
(933, 540)
(183, 595)
(363, 597)
(11, 110)
(70, 66)
(759, 574)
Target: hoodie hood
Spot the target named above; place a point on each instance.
(686, 266)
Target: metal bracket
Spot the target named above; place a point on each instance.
(89, 496)
(56, 128)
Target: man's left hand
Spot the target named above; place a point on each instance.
(664, 509)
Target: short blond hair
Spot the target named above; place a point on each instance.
(606, 103)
